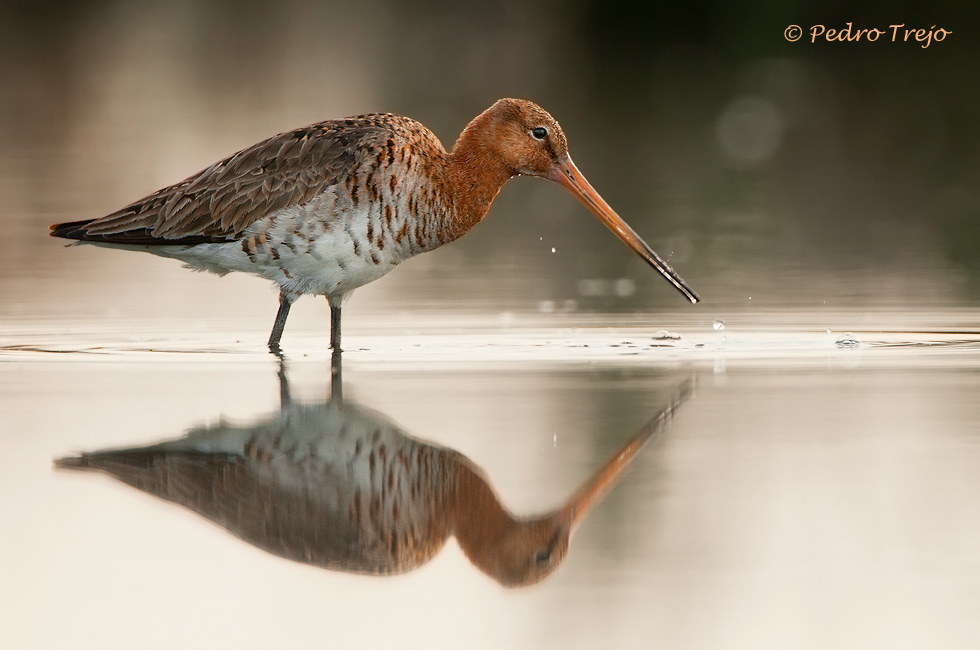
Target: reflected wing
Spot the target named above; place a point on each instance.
(220, 202)
(326, 485)
(299, 524)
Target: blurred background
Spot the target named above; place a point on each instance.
(777, 177)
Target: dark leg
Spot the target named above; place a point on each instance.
(280, 323)
(285, 400)
(336, 378)
(334, 325)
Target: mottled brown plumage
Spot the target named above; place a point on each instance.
(329, 207)
(219, 203)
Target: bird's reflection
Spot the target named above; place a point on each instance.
(339, 486)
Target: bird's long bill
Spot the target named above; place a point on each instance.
(602, 481)
(568, 176)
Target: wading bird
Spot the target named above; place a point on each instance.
(329, 207)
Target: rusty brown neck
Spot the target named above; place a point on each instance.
(476, 174)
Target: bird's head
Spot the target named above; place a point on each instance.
(518, 137)
(524, 137)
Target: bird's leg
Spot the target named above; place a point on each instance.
(335, 323)
(277, 327)
(336, 377)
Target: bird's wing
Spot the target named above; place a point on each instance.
(220, 202)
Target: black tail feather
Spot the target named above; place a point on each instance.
(71, 229)
(136, 237)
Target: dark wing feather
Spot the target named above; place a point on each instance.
(220, 202)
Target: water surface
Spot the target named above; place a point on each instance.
(807, 495)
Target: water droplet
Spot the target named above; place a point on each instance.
(848, 341)
(552, 249)
(719, 325)
(664, 335)
(546, 306)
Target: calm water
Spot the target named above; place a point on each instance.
(807, 495)
(818, 490)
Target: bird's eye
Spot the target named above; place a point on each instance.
(539, 133)
(542, 555)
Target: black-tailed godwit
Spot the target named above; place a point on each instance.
(329, 207)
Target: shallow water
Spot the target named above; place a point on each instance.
(807, 495)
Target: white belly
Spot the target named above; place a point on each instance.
(300, 251)
(330, 268)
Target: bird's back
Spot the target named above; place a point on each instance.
(318, 210)
(219, 203)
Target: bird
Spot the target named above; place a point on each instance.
(330, 207)
(336, 485)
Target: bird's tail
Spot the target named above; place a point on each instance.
(134, 237)
(71, 229)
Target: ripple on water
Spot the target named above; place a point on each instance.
(490, 344)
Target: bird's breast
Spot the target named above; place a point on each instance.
(345, 238)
